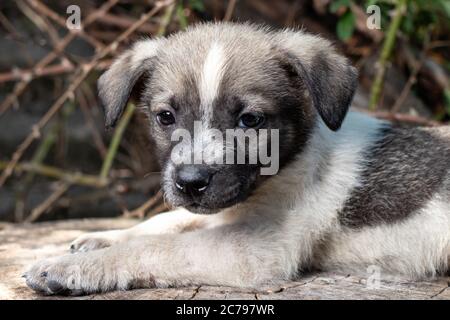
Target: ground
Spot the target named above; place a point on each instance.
(21, 245)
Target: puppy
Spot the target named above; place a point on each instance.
(351, 191)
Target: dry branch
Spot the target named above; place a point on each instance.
(407, 88)
(84, 106)
(361, 18)
(166, 19)
(141, 211)
(126, 22)
(230, 10)
(37, 159)
(5, 23)
(64, 67)
(59, 174)
(163, 207)
(405, 118)
(388, 45)
(84, 70)
(39, 21)
(115, 141)
(20, 87)
(44, 10)
(47, 203)
(128, 113)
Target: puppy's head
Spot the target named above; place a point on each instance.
(197, 85)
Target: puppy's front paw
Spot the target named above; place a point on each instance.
(76, 274)
(95, 240)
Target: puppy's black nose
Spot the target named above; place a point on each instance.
(192, 179)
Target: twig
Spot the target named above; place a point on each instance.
(25, 75)
(140, 212)
(84, 71)
(401, 117)
(407, 88)
(361, 17)
(416, 67)
(20, 87)
(44, 10)
(388, 45)
(128, 113)
(292, 12)
(118, 199)
(125, 22)
(93, 196)
(38, 157)
(161, 208)
(35, 133)
(166, 19)
(123, 123)
(4, 21)
(106, 35)
(57, 173)
(438, 44)
(40, 22)
(115, 141)
(230, 10)
(98, 141)
(64, 67)
(45, 206)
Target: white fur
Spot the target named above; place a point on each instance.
(414, 247)
(269, 237)
(289, 223)
(144, 49)
(309, 207)
(213, 69)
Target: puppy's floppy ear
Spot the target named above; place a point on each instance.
(328, 76)
(116, 84)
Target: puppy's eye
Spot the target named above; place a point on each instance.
(251, 120)
(165, 118)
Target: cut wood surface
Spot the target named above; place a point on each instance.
(21, 245)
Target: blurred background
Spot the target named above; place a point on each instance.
(58, 162)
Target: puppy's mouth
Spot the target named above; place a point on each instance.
(211, 205)
(199, 208)
(211, 208)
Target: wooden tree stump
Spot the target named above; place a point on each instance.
(21, 245)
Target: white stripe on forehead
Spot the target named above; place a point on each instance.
(213, 69)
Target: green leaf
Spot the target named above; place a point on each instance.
(447, 100)
(408, 24)
(337, 4)
(197, 5)
(346, 26)
(181, 17)
(445, 4)
(370, 3)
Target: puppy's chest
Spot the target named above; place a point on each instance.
(401, 174)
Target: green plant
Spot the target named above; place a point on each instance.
(447, 100)
(346, 23)
(420, 16)
(196, 5)
(419, 21)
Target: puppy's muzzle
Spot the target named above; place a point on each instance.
(193, 180)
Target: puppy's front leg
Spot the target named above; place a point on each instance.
(228, 255)
(165, 223)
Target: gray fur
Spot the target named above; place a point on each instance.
(402, 172)
(365, 194)
(291, 88)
